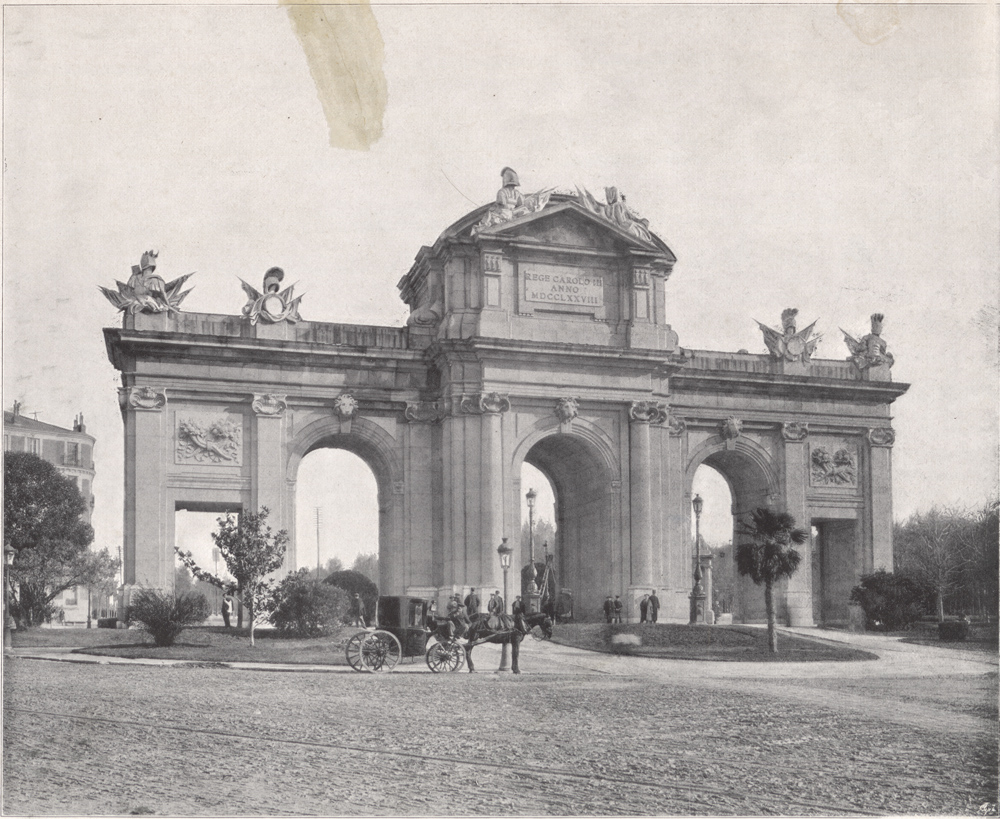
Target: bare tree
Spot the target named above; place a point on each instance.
(929, 545)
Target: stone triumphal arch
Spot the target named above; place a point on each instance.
(537, 334)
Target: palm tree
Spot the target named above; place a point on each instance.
(768, 556)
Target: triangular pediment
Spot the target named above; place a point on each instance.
(562, 223)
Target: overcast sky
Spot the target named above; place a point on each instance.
(791, 156)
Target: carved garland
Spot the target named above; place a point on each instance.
(833, 468)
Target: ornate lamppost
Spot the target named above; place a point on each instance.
(698, 592)
(8, 562)
(533, 595)
(505, 552)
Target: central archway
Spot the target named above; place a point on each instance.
(374, 447)
(586, 490)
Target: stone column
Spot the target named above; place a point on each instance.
(268, 487)
(493, 406)
(880, 441)
(147, 443)
(795, 475)
(641, 415)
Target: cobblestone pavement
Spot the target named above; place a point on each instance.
(577, 733)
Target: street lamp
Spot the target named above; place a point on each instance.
(505, 552)
(532, 494)
(8, 560)
(697, 593)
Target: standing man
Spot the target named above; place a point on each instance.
(643, 608)
(609, 608)
(654, 605)
(518, 610)
(495, 609)
(357, 611)
(618, 608)
(472, 602)
(227, 610)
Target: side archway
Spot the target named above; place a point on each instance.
(753, 480)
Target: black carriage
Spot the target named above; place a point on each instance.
(401, 629)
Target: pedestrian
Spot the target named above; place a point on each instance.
(432, 608)
(496, 609)
(358, 612)
(227, 610)
(654, 605)
(643, 608)
(618, 608)
(62, 617)
(472, 602)
(609, 608)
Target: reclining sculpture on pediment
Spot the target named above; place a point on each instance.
(511, 203)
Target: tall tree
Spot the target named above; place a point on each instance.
(334, 564)
(251, 551)
(43, 523)
(767, 556)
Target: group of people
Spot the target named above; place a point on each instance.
(649, 607)
(460, 612)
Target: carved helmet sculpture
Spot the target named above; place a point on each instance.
(509, 177)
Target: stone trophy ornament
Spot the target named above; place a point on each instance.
(616, 212)
(511, 203)
(871, 350)
(147, 292)
(215, 441)
(273, 305)
(787, 344)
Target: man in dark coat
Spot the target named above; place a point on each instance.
(459, 618)
(496, 610)
(643, 608)
(472, 602)
(609, 608)
(618, 608)
(518, 610)
(654, 606)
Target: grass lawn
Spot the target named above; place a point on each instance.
(196, 644)
(683, 642)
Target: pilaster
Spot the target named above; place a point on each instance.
(795, 480)
(880, 441)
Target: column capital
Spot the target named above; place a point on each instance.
(881, 436)
(647, 412)
(142, 398)
(794, 431)
(423, 412)
(492, 403)
(269, 405)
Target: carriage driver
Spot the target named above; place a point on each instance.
(458, 617)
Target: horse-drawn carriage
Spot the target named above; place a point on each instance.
(404, 628)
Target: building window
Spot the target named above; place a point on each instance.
(73, 454)
(34, 446)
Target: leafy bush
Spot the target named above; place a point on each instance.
(891, 602)
(165, 616)
(306, 608)
(353, 583)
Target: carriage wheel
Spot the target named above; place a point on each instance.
(381, 651)
(444, 657)
(538, 634)
(353, 650)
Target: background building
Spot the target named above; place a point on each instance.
(71, 451)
